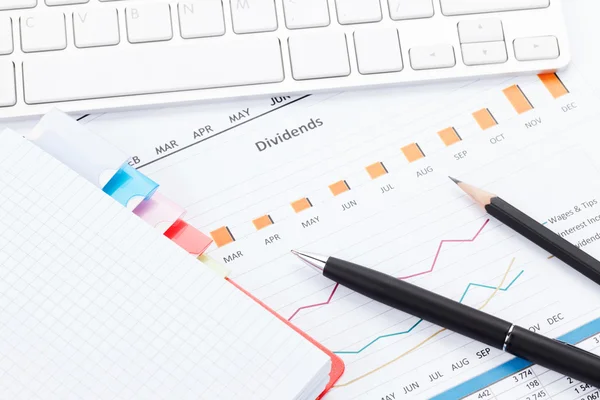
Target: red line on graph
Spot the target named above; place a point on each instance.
(316, 305)
(435, 259)
(439, 250)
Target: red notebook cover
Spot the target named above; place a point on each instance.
(337, 365)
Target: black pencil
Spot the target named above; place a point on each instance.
(534, 231)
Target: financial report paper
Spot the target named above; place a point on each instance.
(365, 178)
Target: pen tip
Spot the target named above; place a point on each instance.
(313, 260)
(454, 180)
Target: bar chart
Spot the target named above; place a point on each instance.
(339, 188)
(554, 85)
(301, 205)
(222, 236)
(262, 222)
(517, 99)
(376, 170)
(413, 153)
(449, 136)
(485, 119)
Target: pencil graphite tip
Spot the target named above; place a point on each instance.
(481, 196)
(454, 180)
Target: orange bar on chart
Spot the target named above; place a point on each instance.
(262, 222)
(449, 136)
(412, 152)
(376, 170)
(222, 236)
(339, 187)
(517, 98)
(301, 205)
(553, 84)
(485, 119)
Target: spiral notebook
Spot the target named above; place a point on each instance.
(95, 303)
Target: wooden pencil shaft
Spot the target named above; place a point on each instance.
(545, 238)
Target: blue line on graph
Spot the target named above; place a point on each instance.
(409, 330)
(513, 366)
(504, 289)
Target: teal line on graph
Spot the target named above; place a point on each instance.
(409, 330)
(504, 289)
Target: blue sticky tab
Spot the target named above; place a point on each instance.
(130, 187)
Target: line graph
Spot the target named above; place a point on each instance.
(317, 304)
(504, 289)
(436, 333)
(433, 264)
(439, 250)
(406, 332)
(378, 338)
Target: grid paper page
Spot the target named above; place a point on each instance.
(95, 304)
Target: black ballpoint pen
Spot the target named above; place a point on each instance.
(478, 325)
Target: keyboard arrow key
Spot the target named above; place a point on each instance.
(432, 57)
(536, 48)
(484, 53)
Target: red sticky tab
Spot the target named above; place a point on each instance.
(188, 237)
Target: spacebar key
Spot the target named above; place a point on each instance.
(462, 7)
(146, 70)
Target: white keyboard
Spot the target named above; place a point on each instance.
(101, 55)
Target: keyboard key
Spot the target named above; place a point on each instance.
(358, 11)
(96, 27)
(17, 4)
(6, 36)
(378, 50)
(149, 23)
(65, 2)
(253, 16)
(201, 19)
(142, 70)
(484, 53)
(410, 9)
(462, 7)
(43, 31)
(8, 92)
(536, 48)
(319, 55)
(306, 13)
(432, 57)
(480, 30)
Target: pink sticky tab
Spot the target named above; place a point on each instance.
(159, 211)
(188, 237)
